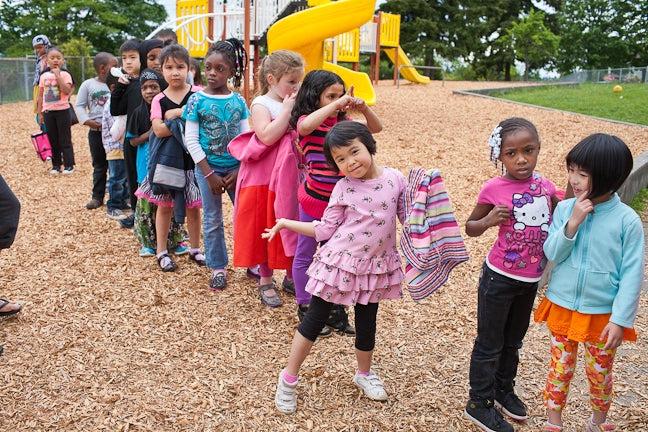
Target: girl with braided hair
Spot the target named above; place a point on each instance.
(214, 116)
(519, 203)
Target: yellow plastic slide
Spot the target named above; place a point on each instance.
(410, 74)
(306, 31)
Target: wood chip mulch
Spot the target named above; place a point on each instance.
(106, 342)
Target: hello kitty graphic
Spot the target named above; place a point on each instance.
(530, 211)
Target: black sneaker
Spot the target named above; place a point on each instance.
(288, 285)
(301, 311)
(218, 281)
(511, 405)
(127, 222)
(339, 321)
(484, 415)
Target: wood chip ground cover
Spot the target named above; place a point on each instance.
(107, 342)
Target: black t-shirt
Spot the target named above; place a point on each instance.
(167, 104)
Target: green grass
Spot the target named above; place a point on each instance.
(640, 201)
(598, 100)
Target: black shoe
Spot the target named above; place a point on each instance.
(218, 281)
(127, 223)
(339, 321)
(511, 405)
(93, 204)
(253, 272)
(301, 311)
(484, 415)
(288, 285)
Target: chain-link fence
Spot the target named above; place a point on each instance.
(622, 75)
(17, 76)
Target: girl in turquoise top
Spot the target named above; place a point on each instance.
(597, 245)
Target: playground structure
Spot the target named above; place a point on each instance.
(324, 32)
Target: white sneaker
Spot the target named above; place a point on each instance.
(68, 171)
(371, 385)
(286, 396)
(54, 171)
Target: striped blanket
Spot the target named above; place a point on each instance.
(431, 240)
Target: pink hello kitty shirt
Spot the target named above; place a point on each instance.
(517, 252)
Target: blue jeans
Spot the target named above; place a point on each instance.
(212, 219)
(117, 186)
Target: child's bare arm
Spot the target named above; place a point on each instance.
(269, 131)
(316, 118)
(140, 139)
(485, 216)
(39, 106)
(304, 228)
(160, 129)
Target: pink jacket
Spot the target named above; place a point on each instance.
(276, 166)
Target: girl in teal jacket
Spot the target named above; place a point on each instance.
(597, 245)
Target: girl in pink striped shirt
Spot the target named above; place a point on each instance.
(321, 102)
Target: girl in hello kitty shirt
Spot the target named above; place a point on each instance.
(519, 202)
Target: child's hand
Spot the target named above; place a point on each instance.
(41, 119)
(498, 215)
(582, 208)
(271, 232)
(289, 101)
(124, 79)
(359, 105)
(216, 184)
(613, 335)
(173, 113)
(344, 102)
(56, 71)
(230, 179)
(93, 124)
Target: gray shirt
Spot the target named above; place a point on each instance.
(91, 99)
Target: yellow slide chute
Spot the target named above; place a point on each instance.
(305, 32)
(408, 73)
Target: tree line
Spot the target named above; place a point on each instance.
(485, 37)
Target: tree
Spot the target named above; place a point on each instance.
(603, 33)
(79, 47)
(103, 23)
(531, 42)
(470, 30)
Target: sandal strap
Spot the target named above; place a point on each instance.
(267, 287)
(169, 264)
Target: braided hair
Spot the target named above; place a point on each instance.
(233, 51)
(505, 129)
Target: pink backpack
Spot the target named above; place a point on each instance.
(42, 145)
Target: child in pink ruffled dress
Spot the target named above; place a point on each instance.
(358, 264)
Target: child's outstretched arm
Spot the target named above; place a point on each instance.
(372, 121)
(304, 228)
(269, 131)
(485, 216)
(316, 118)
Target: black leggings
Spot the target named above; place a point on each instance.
(365, 322)
(59, 133)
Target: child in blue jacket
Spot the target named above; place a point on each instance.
(597, 245)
